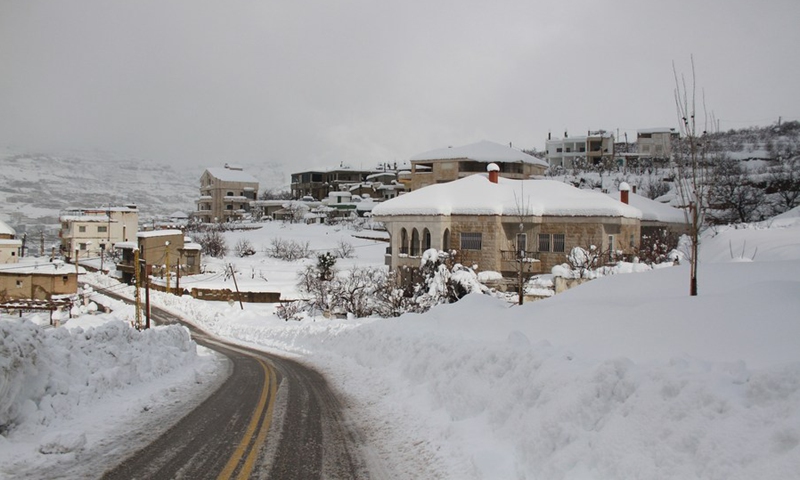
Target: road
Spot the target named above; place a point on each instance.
(273, 418)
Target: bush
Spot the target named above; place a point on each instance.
(288, 250)
(344, 249)
(244, 248)
(213, 244)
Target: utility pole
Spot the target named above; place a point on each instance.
(41, 243)
(178, 273)
(147, 295)
(166, 254)
(238, 295)
(137, 272)
(76, 262)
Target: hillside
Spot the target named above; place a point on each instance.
(34, 187)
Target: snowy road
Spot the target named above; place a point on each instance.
(273, 418)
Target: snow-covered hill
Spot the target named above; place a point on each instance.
(34, 187)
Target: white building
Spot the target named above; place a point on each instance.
(89, 231)
(592, 149)
(10, 246)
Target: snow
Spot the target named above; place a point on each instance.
(228, 175)
(40, 266)
(476, 195)
(64, 392)
(651, 209)
(5, 229)
(483, 151)
(624, 377)
(159, 233)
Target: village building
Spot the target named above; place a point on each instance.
(87, 232)
(659, 222)
(317, 184)
(595, 148)
(504, 225)
(10, 245)
(655, 143)
(37, 279)
(225, 194)
(449, 164)
(161, 251)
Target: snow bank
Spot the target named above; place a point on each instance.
(45, 373)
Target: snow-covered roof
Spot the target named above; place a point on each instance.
(656, 130)
(483, 151)
(42, 266)
(178, 214)
(652, 210)
(192, 246)
(5, 229)
(86, 218)
(476, 195)
(126, 245)
(227, 175)
(14, 242)
(159, 233)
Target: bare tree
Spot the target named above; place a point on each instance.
(732, 197)
(691, 157)
(784, 182)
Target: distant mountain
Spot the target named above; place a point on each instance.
(34, 187)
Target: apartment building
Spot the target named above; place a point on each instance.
(595, 148)
(655, 142)
(225, 194)
(87, 232)
(452, 163)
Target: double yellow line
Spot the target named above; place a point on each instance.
(267, 395)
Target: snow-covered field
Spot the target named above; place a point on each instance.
(623, 377)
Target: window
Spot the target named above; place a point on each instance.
(414, 243)
(229, 207)
(559, 150)
(64, 278)
(102, 229)
(403, 242)
(446, 240)
(558, 242)
(82, 229)
(19, 283)
(82, 246)
(229, 194)
(633, 241)
(471, 240)
(426, 239)
(544, 242)
(611, 248)
(522, 244)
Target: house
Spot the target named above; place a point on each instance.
(449, 164)
(659, 220)
(655, 143)
(37, 279)
(505, 225)
(160, 251)
(86, 232)
(225, 194)
(593, 149)
(10, 246)
(319, 183)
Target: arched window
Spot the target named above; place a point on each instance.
(446, 240)
(426, 239)
(403, 241)
(414, 243)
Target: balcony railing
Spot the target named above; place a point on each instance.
(513, 255)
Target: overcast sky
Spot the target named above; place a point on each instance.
(312, 83)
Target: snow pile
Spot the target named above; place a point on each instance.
(48, 373)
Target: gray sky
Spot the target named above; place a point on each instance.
(310, 83)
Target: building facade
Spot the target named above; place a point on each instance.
(317, 184)
(506, 226)
(10, 246)
(90, 231)
(595, 148)
(161, 251)
(449, 164)
(37, 280)
(655, 143)
(225, 194)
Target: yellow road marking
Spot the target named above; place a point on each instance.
(262, 434)
(251, 428)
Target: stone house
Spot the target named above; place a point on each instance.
(594, 148)
(37, 279)
(160, 250)
(502, 225)
(89, 231)
(225, 194)
(449, 164)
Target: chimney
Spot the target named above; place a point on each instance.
(494, 172)
(623, 192)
